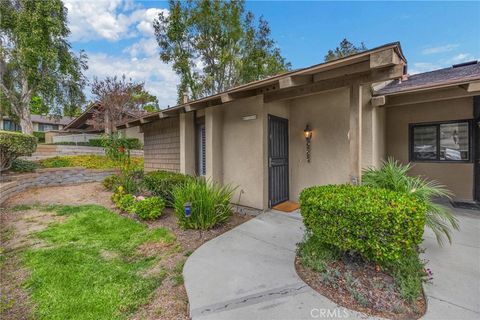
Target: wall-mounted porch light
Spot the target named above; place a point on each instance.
(308, 137)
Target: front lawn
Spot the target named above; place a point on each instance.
(89, 267)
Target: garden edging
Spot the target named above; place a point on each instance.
(12, 184)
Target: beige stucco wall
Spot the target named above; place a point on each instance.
(162, 145)
(242, 149)
(373, 131)
(328, 116)
(133, 132)
(458, 177)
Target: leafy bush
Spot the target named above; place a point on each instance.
(162, 183)
(150, 208)
(131, 180)
(394, 176)
(40, 136)
(210, 204)
(126, 202)
(95, 142)
(316, 254)
(381, 225)
(88, 161)
(111, 182)
(14, 145)
(19, 165)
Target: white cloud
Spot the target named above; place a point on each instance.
(159, 78)
(459, 58)
(439, 49)
(419, 67)
(145, 47)
(111, 20)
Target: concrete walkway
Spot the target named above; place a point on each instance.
(249, 273)
(455, 290)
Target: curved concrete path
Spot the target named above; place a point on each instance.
(249, 273)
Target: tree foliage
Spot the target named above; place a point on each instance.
(344, 49)
(36, 59)
(118, 99)
(214, 45)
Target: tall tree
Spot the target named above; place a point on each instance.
(117, 100)
(146, 101)
(214, 45)
(344, 49)
(36, 59)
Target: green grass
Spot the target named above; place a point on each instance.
(90, 268)
(88, 161)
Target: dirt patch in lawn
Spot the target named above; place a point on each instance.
(16, 228)
(87, 193)
(19, 220)
(362, 288)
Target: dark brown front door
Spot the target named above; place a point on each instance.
(476, 145)
(277, 160)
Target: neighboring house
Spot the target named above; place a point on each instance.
(82, 125)
(355, 112)
(40, 123)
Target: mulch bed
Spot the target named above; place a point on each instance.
(360, 287)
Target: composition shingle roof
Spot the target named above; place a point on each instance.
(455, 74)
(51, 119)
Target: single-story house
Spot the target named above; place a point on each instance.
(83, 125)
(322, 125)
(40, 123)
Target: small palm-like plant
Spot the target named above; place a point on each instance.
(393, 176)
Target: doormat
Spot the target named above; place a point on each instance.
(287, 206)
(466, 205)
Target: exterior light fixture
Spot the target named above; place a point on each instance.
(308, 137)
(187, 208)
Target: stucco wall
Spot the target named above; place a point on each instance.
(162, 145)
(373, 132)
(133, 132)
(242, 149)
(458, 177)
(328, 116)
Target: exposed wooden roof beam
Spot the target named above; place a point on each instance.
(360, 67)
(294, 81)
(325, 85)
(472, 86)
(378, 101)
(427, 96)
(384, 58)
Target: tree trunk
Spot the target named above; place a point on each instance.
(23, 110)
(26, 123)
(108, 126)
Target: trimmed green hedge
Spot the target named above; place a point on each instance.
(379, 224)
(40, 136)
(162, 183)
(131, 143)
(13, 145)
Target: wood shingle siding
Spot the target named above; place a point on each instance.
(162, 145)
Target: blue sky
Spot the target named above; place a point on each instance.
(118, 36)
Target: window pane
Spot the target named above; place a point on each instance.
(425, 143)
(454, 141)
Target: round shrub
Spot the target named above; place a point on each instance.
(150, 208)
(162, 183)
(209, 202)
(126, 202)
(19, 165)
(111, 182)
(14, 145)
(379, 224)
